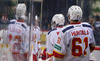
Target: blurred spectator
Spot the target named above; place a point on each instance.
(91, 19)
(45, 24)
(49, 27)
(96, 26)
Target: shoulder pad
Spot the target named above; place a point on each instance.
(67, 28)
(87, 25)
(51, 31)
(12, 21)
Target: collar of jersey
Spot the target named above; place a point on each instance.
(20, 21)
(59, 26)
(76, 23)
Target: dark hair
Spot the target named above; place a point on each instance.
(75, 20)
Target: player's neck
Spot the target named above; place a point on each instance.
(20, 20)
(74, 22)
(59, 26)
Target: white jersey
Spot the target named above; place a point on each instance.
(51, 39)
(36, 39)
(73, 44)
(18, 36)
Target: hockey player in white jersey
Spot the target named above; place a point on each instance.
(58, 21)
(36, 40)
(76, 39)
(18, 34)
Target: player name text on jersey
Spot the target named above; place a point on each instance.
(80, 32)
(12, 29)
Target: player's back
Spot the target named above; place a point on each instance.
(51, 39)
(16, 34)
(76, 39)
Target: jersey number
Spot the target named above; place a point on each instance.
(59, 39)
(16, 46)
(17, 37)
(77, 49)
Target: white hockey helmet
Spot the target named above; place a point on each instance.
(58, 19)
(36, 18)
(75, 13)
(20, 11)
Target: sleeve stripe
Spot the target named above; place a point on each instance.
(51, 31)
(23, 26)
(70, 27)
(57, 47)
(50, 54)
(13, 22)
(58, 55)
(97, 48)
(84, 25)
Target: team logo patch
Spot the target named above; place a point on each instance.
(59, 40)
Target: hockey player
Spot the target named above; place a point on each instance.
(58, 21)
(18, 34)
(36, 40)
(76, 40)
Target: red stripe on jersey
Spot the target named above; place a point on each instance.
(58, 55)
(50, 55)
(97, 48)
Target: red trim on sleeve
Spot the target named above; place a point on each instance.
(50, 55)
(58, 55)
(97, 48)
